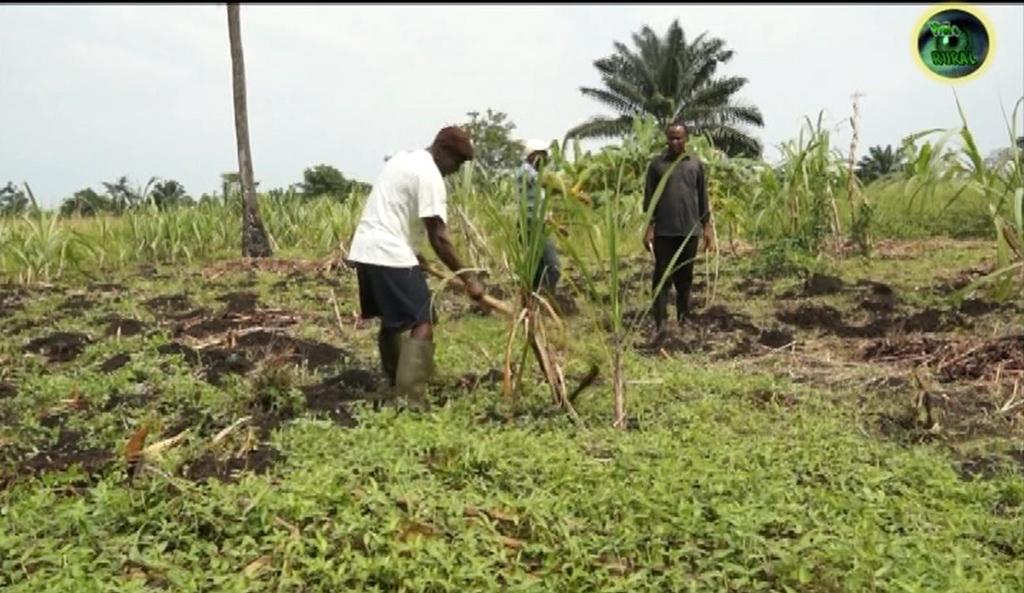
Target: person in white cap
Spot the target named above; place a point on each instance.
(535, 155)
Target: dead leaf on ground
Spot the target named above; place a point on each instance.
(511, 542)
(153, 451)
(133, 449)
(416, 530)
(494, 514)
(257, 565)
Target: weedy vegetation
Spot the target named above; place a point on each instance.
(847, 414)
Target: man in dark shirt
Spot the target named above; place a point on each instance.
(680, 215)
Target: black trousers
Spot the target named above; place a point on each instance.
(548, 272)
(681, 275)
(399, 296)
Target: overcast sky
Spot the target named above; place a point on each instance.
(90, 93)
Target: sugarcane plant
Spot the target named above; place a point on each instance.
(1001, 185)
(521, 233)
(602, 256)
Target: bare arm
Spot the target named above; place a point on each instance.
(441, 242)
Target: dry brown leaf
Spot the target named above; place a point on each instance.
(502, 515)
(75, 402)
(254, 567)
(417, 530)
(248, 443)
(511, 542)
(494, 514)
(153, 451)
(134, 446)
(220, 436)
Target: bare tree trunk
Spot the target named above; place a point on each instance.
(254, 237)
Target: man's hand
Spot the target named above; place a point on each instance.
(649, 238)
(474, 288)
(709, 237)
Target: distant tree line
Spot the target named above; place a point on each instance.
(880, 162)
(121, 195)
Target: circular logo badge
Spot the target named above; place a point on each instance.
(953, 42)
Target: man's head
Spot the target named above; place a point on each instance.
(452, 147)
(676, 135)
(535, 152)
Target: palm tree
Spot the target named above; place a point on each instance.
(169, 193)
(254, 237)
(86, 202)
(122, 196)
(13, 201)
(672, 80)
(879, 162)
(119, 193)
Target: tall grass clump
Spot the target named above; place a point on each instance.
(44, 246)
(518, 239)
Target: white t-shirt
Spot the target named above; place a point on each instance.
(409, 189)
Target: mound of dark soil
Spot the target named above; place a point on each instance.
(126, 327)
(114, 362)
(65, 454)
(210, 466)
(822, 284)
(59, 346)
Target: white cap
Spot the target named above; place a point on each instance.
(535, 145)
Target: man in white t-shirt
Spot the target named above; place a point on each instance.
(408, 200)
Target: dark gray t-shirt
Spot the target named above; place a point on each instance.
(682, 209)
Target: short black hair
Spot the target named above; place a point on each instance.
(457, 140)
(677, 124)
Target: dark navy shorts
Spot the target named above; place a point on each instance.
(399, 296)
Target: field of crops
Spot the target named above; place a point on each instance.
(846, 414)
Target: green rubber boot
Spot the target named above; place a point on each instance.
(415, 366)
